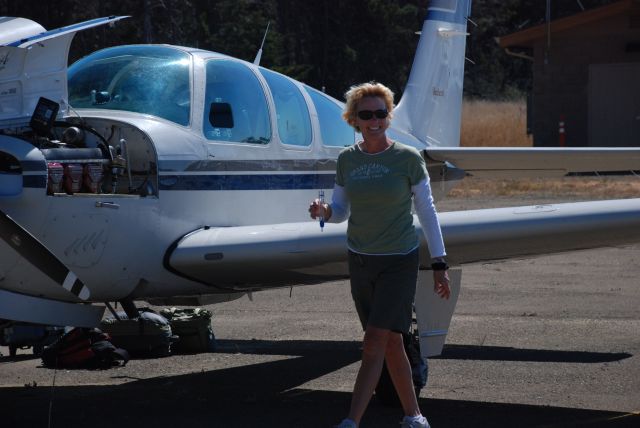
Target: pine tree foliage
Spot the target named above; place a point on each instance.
(328, 44)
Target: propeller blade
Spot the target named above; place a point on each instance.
(38, 255)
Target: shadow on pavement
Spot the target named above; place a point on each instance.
(262, 395)
(500, 353)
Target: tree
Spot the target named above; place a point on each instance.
(328, 44)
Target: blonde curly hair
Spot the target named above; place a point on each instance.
(358, 92)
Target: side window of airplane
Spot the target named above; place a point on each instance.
(294, 124)
(235, 107)
(334, 130)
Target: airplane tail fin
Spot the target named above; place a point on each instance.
(431, 104)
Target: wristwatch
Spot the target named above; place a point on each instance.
(439, 264)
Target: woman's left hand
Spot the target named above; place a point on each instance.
(441, 283)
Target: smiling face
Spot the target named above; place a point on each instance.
(375, 127)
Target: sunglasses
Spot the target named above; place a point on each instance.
(368, 114)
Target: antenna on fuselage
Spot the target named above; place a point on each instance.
(259, 55)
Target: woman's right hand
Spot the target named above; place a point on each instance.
(316, 209)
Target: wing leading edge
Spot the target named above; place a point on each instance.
(256, 257)
(262, 256)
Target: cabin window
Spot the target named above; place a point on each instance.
(143, 79)
(294, 124)
(235, 105)
(334, 130)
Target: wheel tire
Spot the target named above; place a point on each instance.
(13, 350)
(37, 349)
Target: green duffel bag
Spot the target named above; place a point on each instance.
(193, 327)
(148, 335)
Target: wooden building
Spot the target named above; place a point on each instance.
(586, 73)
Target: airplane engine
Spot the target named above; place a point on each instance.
(72, 156)
(67, 166)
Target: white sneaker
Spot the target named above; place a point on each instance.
(346, 423)
(408, 422)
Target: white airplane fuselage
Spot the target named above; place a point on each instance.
(207, 165)
(117, 242)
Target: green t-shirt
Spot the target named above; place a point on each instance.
(378, 187)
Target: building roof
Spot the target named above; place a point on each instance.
(530, 35)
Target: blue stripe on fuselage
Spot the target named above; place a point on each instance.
(247, 182)
(225, 182)
(34, 181)
(33, 166)
(446, 14)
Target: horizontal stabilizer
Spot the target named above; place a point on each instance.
(492, 234)
(518, 162)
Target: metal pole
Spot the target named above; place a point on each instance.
(548, 19)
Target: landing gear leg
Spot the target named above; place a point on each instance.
(129, 308)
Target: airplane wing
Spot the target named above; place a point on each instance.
(519, 162)
(299, 253)
(268, 255)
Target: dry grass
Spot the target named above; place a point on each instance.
(503, 124)
(494, 123)
(617, 187)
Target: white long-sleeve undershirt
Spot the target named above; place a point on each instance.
(340, 206)
(426, 211)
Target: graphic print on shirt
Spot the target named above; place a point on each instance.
(369, 171)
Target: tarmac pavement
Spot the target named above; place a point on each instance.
(547, 342)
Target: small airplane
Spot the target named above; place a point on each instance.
(182, 176)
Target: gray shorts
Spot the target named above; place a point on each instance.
(383, 288)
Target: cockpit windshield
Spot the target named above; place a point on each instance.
(143, 79)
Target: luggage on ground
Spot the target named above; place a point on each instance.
(193, 327)
(148, 335)
(385, 391)
(83, 348)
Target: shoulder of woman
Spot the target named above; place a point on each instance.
(409, 150)
(349, 149)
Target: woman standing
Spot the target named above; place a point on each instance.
(376, 181)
